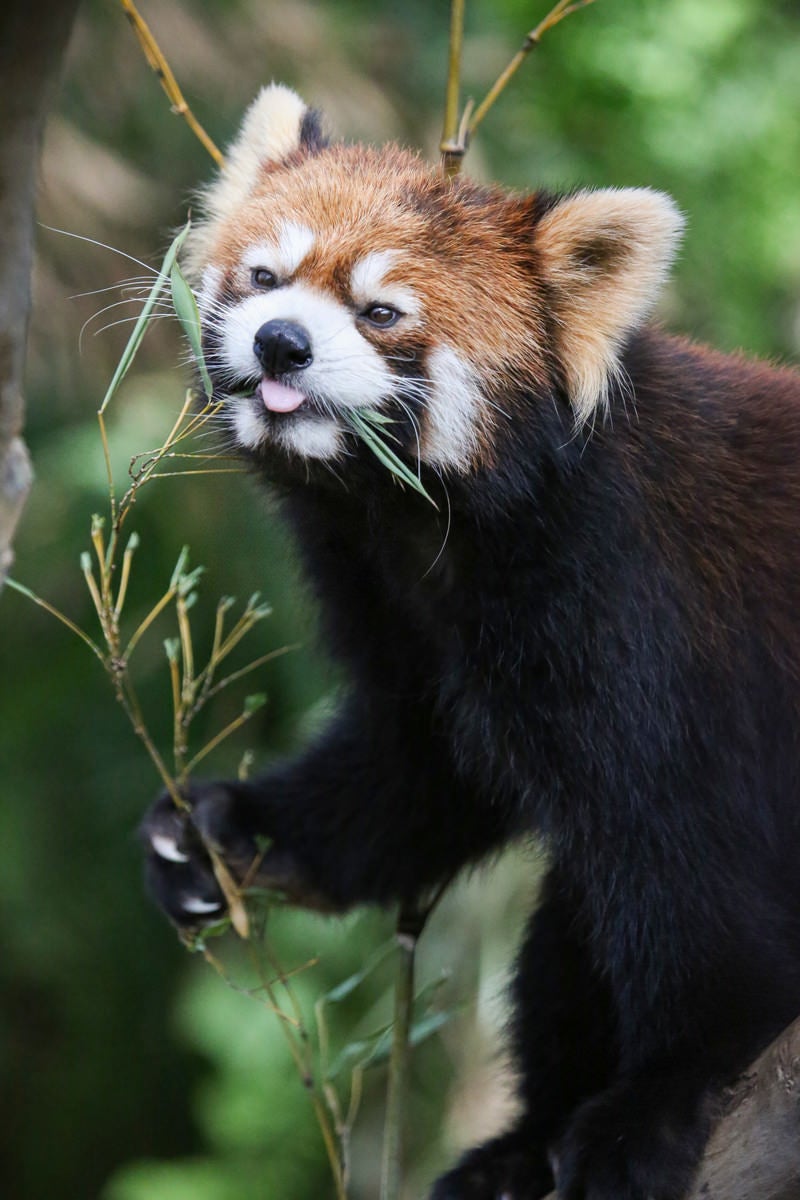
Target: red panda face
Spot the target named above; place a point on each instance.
(344, 277)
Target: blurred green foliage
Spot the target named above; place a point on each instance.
(129, 1072)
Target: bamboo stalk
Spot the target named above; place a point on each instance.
(392, 1152)
(451, 146)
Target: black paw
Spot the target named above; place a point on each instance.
(508, 1168)
(179, 846)
(632, 1143)
(227, 826)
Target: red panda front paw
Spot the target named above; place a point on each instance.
(221, 822)
(178, 868)
(632, 1143)
(507, 1168)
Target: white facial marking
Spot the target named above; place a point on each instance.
(193, 904)
(166, 847)
(367, 274)
(209, 290)
(450, 437)
(309, 436)
(367, 283)
(248, 422)
(345, 371)
(295, 243)
(283, 256)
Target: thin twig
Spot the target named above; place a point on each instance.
(454, 145)
(533, 38)
(299, 1047)
(392, 1152)
(169, 83)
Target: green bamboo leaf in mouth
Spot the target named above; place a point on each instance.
(369, 425)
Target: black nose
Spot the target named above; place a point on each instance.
(282, 346)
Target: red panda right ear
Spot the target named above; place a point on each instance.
(275, 125)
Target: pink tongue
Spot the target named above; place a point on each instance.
(278, 398)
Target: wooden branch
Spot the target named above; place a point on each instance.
(754, 1151)
(33, 37)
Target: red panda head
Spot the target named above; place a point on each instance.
(335, 276)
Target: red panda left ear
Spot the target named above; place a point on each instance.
(605, 255)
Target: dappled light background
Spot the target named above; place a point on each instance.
(129, 1070)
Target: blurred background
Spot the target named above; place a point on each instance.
(128, 1070)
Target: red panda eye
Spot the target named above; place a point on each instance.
(382, 315)
(260, 277)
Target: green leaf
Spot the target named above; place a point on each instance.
(362, 1053)
(195, 942)
(363, 426)
(180, 565)
(422, 1029)
(140, 328)
(349, 985)
(375, 1048)
(172, 647)
(254, 703)
(373, 417)
(186, 310)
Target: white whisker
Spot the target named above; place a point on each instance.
(102, 245)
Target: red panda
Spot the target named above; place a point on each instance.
(592, 638)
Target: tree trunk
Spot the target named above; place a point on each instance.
(754, 1151)
(33, 37)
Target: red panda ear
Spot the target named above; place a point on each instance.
(605, 255)
(275, 125)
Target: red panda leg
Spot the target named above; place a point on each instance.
(642, 1138)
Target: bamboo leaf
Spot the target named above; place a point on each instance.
(362, 1053)
(140, 328)
(186, 310)
(172, 648)
(363, 428)
(375, 1048)
(349, 985)
(62, 617)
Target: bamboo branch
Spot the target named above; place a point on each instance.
(159, 64)
(532, 39)
(411, 922)
(457, 136)
(392, 1154)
